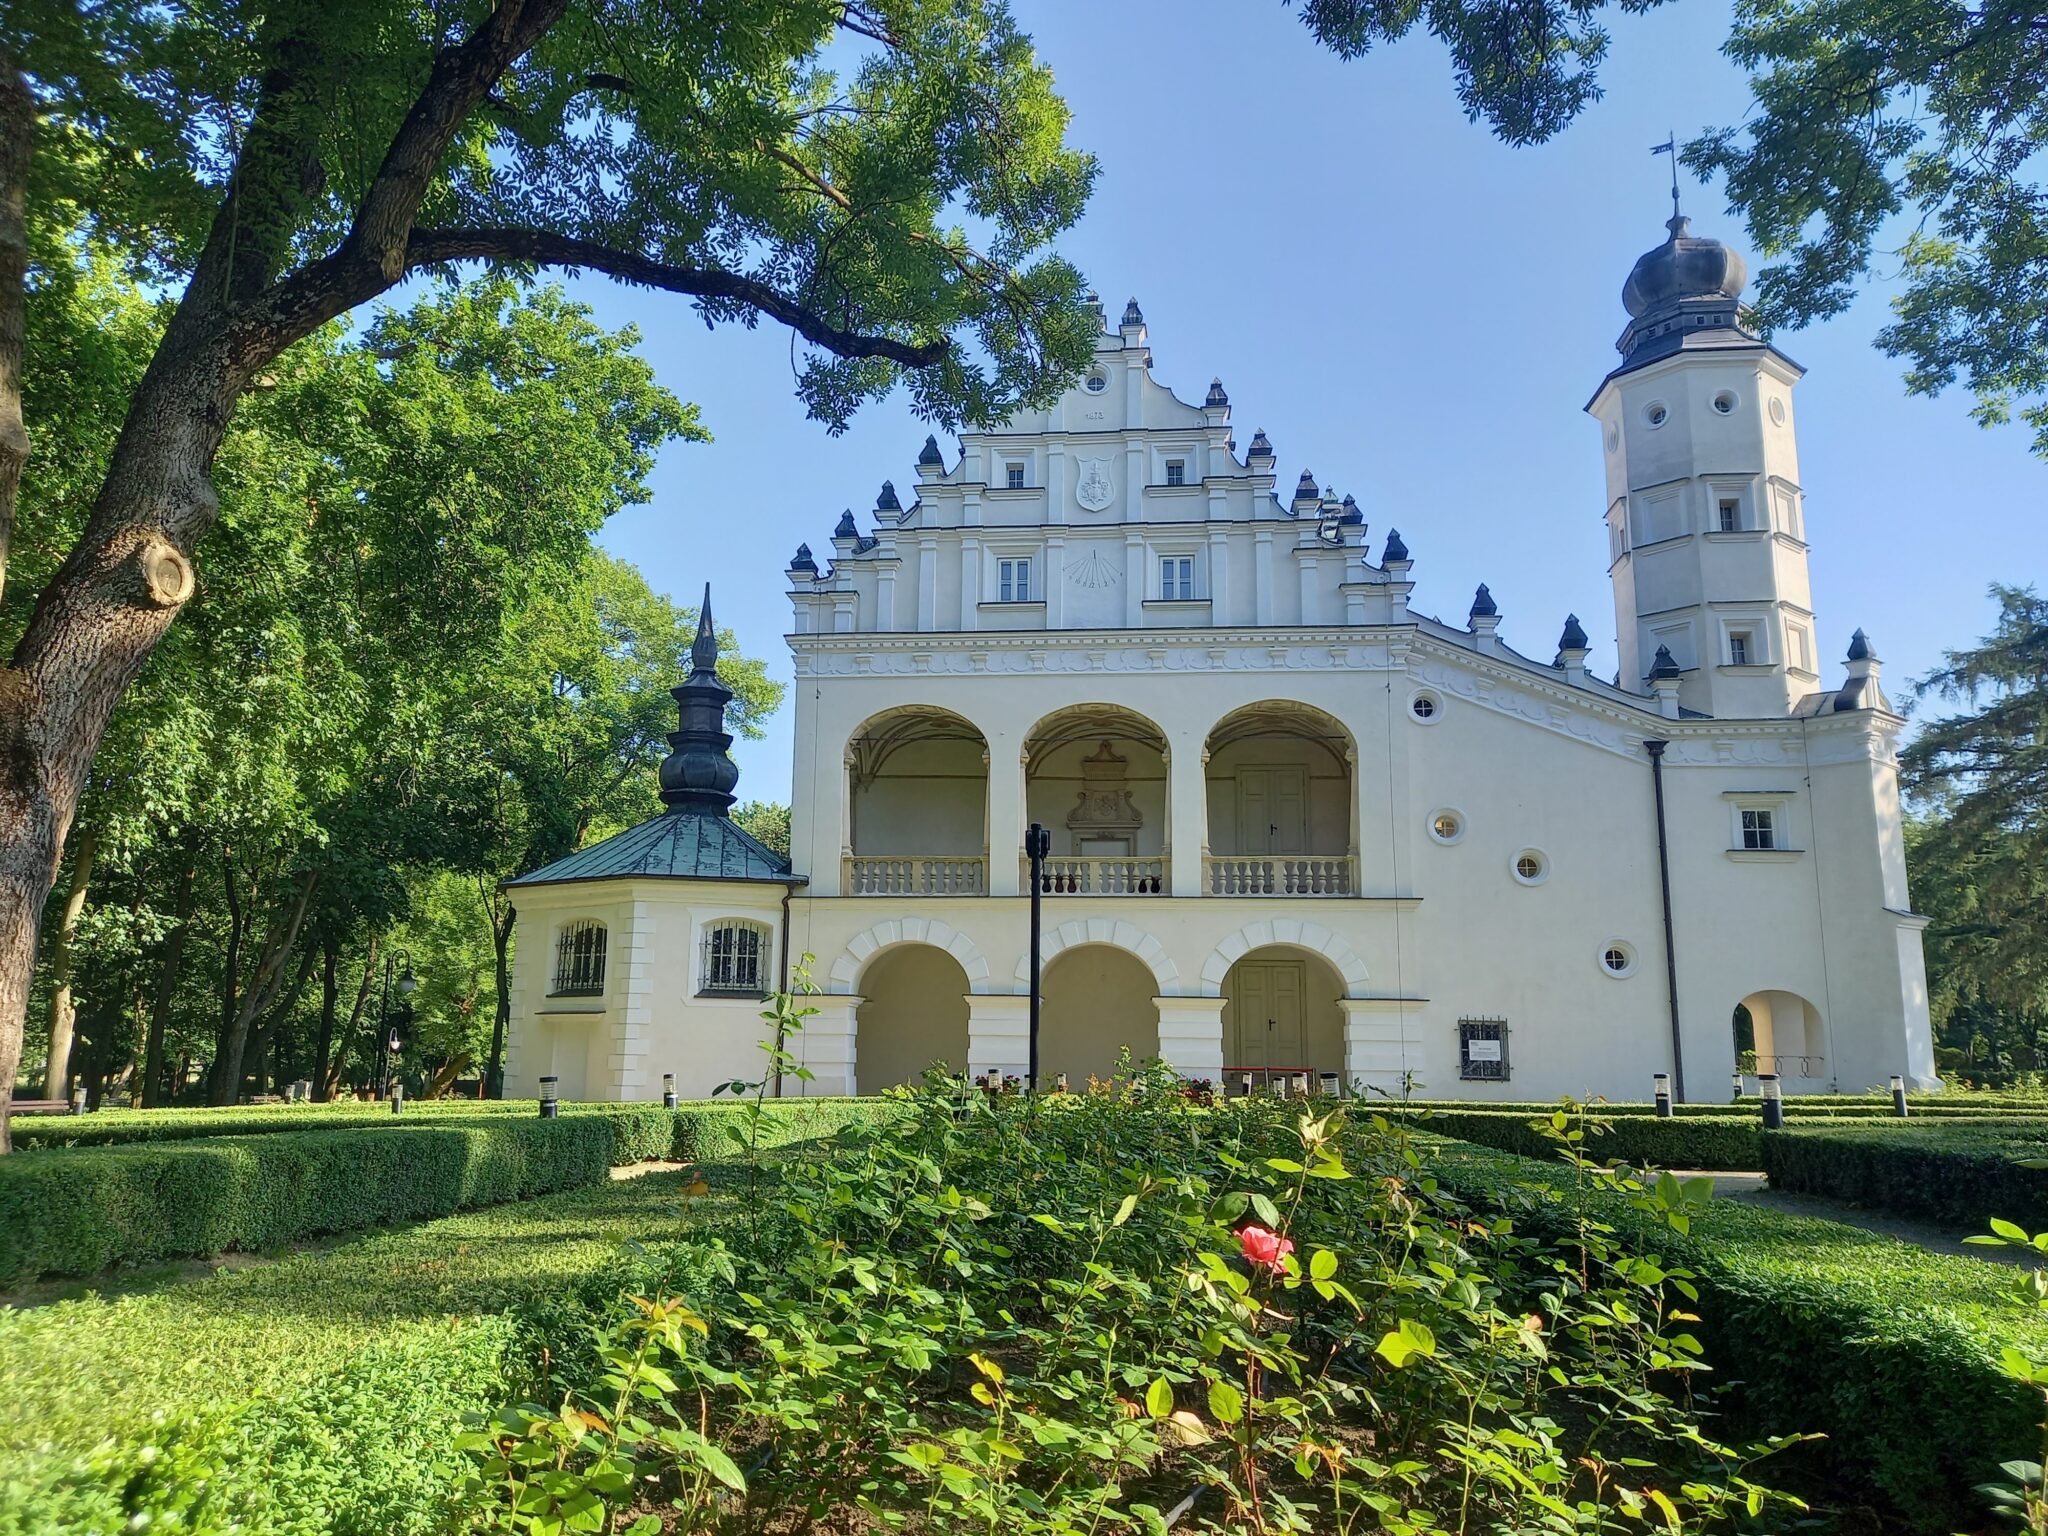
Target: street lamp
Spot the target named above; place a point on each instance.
(407, 985)
(1037, 847)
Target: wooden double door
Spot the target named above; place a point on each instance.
(1265, 1007)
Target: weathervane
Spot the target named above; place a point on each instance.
(1670, 147)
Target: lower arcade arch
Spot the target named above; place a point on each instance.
(1095, 1001)
(1281, 1016)
(912, 1016)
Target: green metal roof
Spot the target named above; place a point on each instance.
(683, 844)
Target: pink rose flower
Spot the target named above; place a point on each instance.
(1266, 1249)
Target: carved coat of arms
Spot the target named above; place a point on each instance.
(1096, 489)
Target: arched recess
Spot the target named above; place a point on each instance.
(846, 969)
(1118, 935)
(1293, 932)
(1788, 1034)
(1281, 807)
(1095, 777)
(912, 1015)
(917, 804)
(1281, 1014)
(1096, 1001)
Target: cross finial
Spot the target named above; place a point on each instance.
(1670, 147)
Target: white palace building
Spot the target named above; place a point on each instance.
(1297, 826)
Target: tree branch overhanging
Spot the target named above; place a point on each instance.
(429, 247)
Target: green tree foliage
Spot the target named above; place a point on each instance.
(1878, 128)
(1979, 853)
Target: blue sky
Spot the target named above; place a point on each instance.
(1411, 309)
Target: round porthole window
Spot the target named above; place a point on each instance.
(1655, 413)
(1530, 867)
(1446, 826)
(1618, 958)
(1724, 402)
(1613, 438)
(1426, 708)
(1777, 411)
(1097, 383)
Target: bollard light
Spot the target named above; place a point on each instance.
(1059, 1083)
(1735, 1082)
(668, 1090)
(1247, 1082)
(1898, 1096)
(1660, 1084)
(549, 1108)
(1774, 1100)
(397, 1096)
(78, 1098)
(1301, 1085)
(1330, 1082)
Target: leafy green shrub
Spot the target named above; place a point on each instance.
(1891, 1351)
(80, 1212)
(1958, 1172)
(1721, 1143)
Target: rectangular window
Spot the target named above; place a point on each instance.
(1760, 829)
(1014, 477)
(1738, 648)
(1483, 1050)
(732, 958)
(1731, 516)
(1177, 578)
(1013, 581)
(1176, 472)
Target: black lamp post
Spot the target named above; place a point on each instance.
(407, 985)
(1037, 847)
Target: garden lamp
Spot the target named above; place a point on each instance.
(1898, 1096)
(1774, 1100)
(668, 1090)
(548, 1106)
(1660, 1083)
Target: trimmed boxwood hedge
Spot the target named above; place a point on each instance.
(1722, 1144)
(1887, 1349)
(319, 1394)
(80, 1212)
(1958, 1172)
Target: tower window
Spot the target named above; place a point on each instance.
(1176, 472)
(1177, 578)
(1014, 477)
(1013, 580)
(1759, 829)
(579, 959)
(1730, 515)
(1741, 648)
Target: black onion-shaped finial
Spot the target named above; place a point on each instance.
(803, 560)
(1216, 395)
(1132, 314)
(1395, 550)
(847, 529)
(929, 454)
(1261, 447)
(1483, 605)
(698, 775)
(1574, 636)
(1859, 647)
(1663, 666)
(1305, 488)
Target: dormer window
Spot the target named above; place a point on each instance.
(579, 959)
(1176, 472)
(1013, 476)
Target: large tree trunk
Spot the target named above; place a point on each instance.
(264, 1037)
(153, 1095)
(63, 1008)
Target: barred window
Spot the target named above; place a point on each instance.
(1483, 1050)
(579, 959)
(735, 956)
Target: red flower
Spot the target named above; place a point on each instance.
(1266, 1249)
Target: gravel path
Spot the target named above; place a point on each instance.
(1754, 1189)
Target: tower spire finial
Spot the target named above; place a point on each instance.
(1670, 147)
(704, 649)
(698, 774)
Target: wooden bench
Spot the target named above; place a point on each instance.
(39, 1107)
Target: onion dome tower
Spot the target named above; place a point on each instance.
(1705, 516)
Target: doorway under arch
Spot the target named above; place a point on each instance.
(912, 1015)
(1096, 1000)
(1786, 1035)
(1281, 1016)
